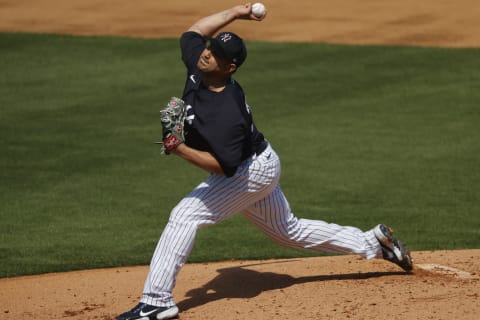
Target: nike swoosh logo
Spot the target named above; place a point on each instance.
(145, 314)
(192, 77)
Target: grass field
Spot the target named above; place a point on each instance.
(366, 135)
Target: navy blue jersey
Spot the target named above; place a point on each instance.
(218, 122)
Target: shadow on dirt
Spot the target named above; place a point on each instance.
(239, 282)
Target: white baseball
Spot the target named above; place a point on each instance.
(258, 9)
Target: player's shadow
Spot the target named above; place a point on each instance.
(238, 282)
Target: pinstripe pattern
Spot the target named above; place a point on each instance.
(254, 191)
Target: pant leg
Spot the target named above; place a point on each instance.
(212, 201)
(275, 218)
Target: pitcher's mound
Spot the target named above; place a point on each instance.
(334, 287)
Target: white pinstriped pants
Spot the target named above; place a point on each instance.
(254, 191)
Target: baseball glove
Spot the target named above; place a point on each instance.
(172, 118)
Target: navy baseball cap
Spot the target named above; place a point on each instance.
(228, 46)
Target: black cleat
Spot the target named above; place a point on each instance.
(143, 311)
(393, 250)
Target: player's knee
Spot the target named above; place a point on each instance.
(182, 215)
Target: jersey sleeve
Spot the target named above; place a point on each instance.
(192, 45)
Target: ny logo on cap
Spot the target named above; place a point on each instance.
(226, 37)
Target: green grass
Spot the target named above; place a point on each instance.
(366, 135)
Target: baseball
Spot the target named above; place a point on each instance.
(258, 9)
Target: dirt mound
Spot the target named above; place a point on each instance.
(342, 287)
(339, 287)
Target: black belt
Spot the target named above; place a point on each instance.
(260, 148)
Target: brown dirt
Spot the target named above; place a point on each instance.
(427, 22)
(339, 287)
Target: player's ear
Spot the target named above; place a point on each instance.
(232, 67)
